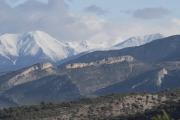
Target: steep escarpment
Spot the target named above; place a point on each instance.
(90, 77)
(110, 60)
(26, 75)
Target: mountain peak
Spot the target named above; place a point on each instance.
(138, 41)
(30, 48)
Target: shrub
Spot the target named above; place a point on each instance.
(164, 116)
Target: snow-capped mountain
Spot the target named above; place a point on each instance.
(79, 46)
(137, 41)
(88, 46)
(21, 50)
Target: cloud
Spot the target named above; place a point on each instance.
(55, 19)
(95, 9)
(151, 13)
(34, 15)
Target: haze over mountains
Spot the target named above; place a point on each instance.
(150, 67)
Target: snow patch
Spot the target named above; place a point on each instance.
(161, 75)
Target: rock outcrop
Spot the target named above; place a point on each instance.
(29, 74)
(110, 60)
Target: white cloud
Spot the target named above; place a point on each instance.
(57, 20)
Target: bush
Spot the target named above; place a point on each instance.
(164, 116)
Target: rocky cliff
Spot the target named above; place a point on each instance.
(110, 60)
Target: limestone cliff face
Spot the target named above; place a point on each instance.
(30, 74)
(110, 60)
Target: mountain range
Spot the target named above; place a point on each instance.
(22, 50)
(150, 67)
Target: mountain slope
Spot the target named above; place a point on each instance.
(90, 77)
(137, 41)
(150, 67)
(26, 75)
(52, 88)
(151, 81)
(17, 51)
(165, 49)
(37, 83)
